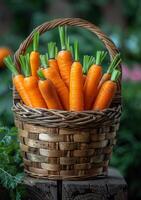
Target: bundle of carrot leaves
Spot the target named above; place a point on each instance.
(58, 80)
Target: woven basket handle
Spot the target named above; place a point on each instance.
(71, 22)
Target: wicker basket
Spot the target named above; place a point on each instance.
(62, 144)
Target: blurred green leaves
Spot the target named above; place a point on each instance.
(6, 115)
(11, 167)
(126, 154)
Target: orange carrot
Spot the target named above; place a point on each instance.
(48, 92)
(53, 64)
(31, 84)
(60, 86)
(76, 83)
(51, 56)
(4, 52)
(64, 58)
(107, 92)
(18, 81)
(35, 56)
(93, 77)
(106, 76)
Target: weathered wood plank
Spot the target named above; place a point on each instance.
(40, 189)
(112, 187)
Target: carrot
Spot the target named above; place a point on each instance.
(106, 76)
(35, 56)
(76, 83)
(48, 92)
(18, 81)
(107, 92)
(31, 84)
(60, 86)
(51, 56)
(93, 77)
(4, 52)
(64, 57)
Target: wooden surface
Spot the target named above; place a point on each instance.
(112, 187)
(41, 189)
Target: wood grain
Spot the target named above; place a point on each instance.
(113, 187)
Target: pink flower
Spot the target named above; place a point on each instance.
(125, 72)
(136, 74)
(133, 74)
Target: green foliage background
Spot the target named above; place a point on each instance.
(126, 33)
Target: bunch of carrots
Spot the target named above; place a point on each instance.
(58, 80)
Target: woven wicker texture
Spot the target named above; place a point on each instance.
(66, 153)
(62, 144)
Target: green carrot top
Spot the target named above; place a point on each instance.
(115, 75)
(41, 75)
(115, 62)
(87, 62)
(76, 51)
(25, 64)
(68, 46)
(56, 51)
(10, 65)
(35, 40)
(71, 50)
(64, 39)
(100, 55)
(44, 60)
(52, 50)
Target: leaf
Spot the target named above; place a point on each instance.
(9, 181)
(18, 196)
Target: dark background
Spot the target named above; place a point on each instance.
(121, 21)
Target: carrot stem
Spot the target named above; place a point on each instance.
(41, 75)
(68, 44)
(115, 62)
(87, 62)
(71, 50)
(35, 40)
(27, 61)
(24, 61)
(62, 37)
(51, 50)
(76, 51)
(11, 66)
(115, 75)
(44, 60)
(56, 51)
(66, 34)
(100, 55)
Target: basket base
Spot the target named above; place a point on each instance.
(68, 178)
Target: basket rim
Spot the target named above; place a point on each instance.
(67, 119)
